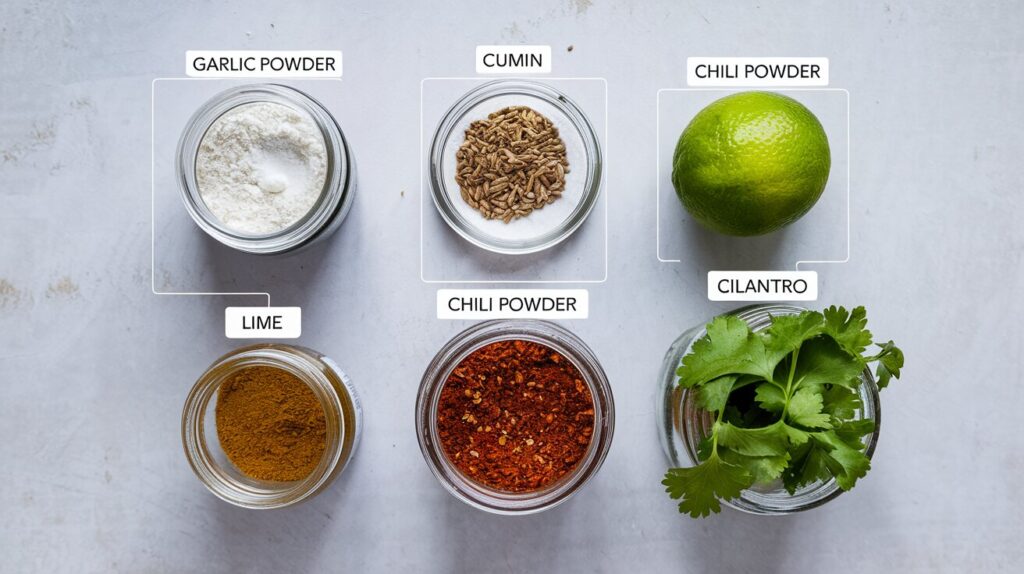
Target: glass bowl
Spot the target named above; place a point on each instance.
(475, 493)
(211, 465)
(682, 424)
(545, 227)
(323, 218)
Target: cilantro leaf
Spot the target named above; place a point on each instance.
(796, 436)
(746, 380)
(702, 486)
(765, 441)
(805, 409)
(764, 469)
(849, 329)
(729, 347)
(821, 361)
(825, 456)
(837, 453)
(890, 361)
(851, 432)
(712, 396)
(771, 397)
(806, 466)
(704, 448)
(732, 415)
(773, 440)
(840, 402)
(845, 462)
(788, 332)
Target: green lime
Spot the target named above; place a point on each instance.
(751, 163)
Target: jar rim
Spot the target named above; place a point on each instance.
(773, 501)
(473, 492)
(439, 186)
(248, 492)
(334, 197)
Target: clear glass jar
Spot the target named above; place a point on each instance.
(582, 185)
(320, 221)
(682, 424)
(454, 352)
(332, 388)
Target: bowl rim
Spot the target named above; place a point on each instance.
(591, 147)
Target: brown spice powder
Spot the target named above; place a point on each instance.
(515, 416)
(270, 424)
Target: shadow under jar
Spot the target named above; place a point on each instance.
(474, 492)
(322, 218)
(334, 393)
(682, 425)
(543, 228)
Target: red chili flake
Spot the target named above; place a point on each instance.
(515, 416)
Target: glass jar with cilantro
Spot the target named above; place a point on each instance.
(771, 409)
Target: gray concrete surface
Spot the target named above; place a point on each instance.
(94, 368)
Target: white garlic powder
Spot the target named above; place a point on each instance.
(261, 167)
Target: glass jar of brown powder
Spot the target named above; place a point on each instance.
(255, 395)
(514, 416)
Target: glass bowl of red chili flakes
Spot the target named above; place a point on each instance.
(514, 416)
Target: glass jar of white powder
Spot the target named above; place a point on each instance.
(265, 169)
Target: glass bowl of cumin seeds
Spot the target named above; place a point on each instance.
(514, 416)
(515, 167)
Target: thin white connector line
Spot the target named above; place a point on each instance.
(849, 243)
(657, 180)
(657, 232)
(152, 204)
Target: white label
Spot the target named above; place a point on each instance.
(263, 322)
(513, 304)
(747, 72)
(513, 59)
(263, 63)
(763, 285)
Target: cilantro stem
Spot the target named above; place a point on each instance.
(714, 432)
(789, 382)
